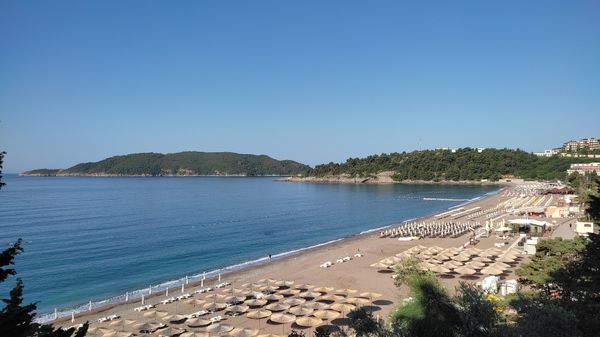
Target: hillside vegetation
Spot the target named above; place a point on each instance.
(444, 165)
(183, 163)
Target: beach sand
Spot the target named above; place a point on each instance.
(304, 268)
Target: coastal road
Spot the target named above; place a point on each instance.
(563, 230)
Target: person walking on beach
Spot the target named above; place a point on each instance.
(269, 257)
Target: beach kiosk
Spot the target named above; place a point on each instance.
(534, 227)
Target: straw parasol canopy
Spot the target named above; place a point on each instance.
(441, 258)
(294, 301)
(476, 264)
(461, 258)
(323, 289)
(289, 292)
(273, 297)
(194, 334)
(343, 307)
(465, 270)
(215, 297)
(238, 309)
(380, 265)
(176, 319)
(308, 321)
(194, 301)
(326, 314)
(214, 306)
(317, 305)
(345, 291)
(330, 297)
(239, 332)
(425, 266)
(482, 259)
(170, 331)
(259, 314)
(155, 314)
(278, 306)
(455, 264)
(255, 302)
(309, 294)
(433, 261)
(197, 322)
(269, 289)
(271, 335)
(219, 328)
(282, 318)
(235, 299)
(301, 310)
(370, 295)
(440, 269)
(118, 334)
(501, 265)
(491, 271)
(507, 259)
(147, 327)
(357, 300)
(303, 286)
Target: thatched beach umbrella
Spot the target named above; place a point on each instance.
(277, 307)
(323, 289)
(155, 314)
(308, 321)
(440, 269)
(356, 300)
(175, 319)
(461, 258)
(118, 334)
(259, 314)
(330, 297)
(370, 295)
(289, 292)
(255, 302)
(195, 334)
(269, 289)
(271, 335)
(219, 328)
(169, 332)
(148, 327)
(482, 259)
(240, 332)
(197, 322)
(282, 318)
(343, 307)
(465, 270)
(491, 271)
(238, 309)
(301, 310)
(194, 301)
(475, 264)
(214, 306)
(455, 264)
(380, 265)
(235, 299)
(309, 294)
(294, 301)
(500, 265)
(506, 259)
(317, 305)
(326, 314)
(303, 286)
(273, 297)
(345, 291)
(215, 297)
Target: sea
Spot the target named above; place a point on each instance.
(95, 239)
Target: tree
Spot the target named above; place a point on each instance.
(362, 322)
(431, 313)
(16, 319)
(479, 317)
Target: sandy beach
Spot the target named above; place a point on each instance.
(303, 268)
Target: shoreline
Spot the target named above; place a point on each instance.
(240, 270)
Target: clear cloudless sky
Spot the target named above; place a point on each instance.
(312, 81)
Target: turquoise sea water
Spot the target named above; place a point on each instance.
(90, 238)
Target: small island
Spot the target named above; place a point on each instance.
(180, 164)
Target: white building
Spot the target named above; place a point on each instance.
(584, 168)
(584, 227)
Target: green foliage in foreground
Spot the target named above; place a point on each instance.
(464, 164)
(186, 163)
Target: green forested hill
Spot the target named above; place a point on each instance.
(186, 163)
(464, 164)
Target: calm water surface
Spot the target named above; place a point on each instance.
(89, 238)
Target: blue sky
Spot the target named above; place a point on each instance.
(313, 81)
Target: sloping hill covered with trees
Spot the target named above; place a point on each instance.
(462, 165)
(184, 163)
